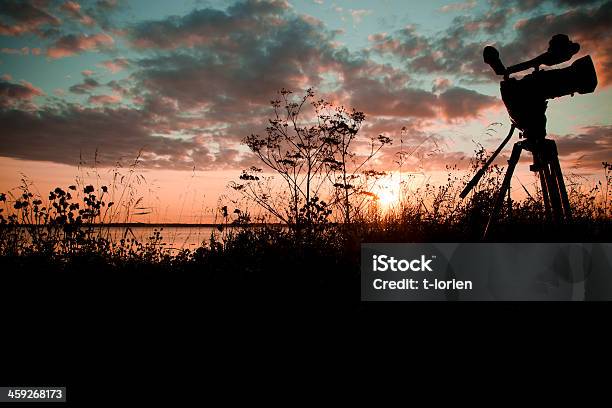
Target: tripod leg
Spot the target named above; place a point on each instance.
(548, 155)
(545, 197)
(499, 200)
(509, 204)
(540, 164)
(484, 168)
(556, 168)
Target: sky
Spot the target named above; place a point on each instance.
(181, 84)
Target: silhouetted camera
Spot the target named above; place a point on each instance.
(526, 98)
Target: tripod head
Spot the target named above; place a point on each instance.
(525, 98)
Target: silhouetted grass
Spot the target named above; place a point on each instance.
(66, 232)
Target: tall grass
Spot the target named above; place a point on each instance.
(72, 224)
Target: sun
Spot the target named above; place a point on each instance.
(386, 197)
(387, 191)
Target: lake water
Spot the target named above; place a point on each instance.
(174, 238)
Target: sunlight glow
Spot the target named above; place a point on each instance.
(387, 190)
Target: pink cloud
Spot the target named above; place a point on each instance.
(62, 136)
(74, 10)
(116, 65)
(14, 94)
(206, 27)
(587, 149)
(72, 7)
(75, 44)
(358, 15)
(25, 16)
(458, 6)
(406, 42)
(15, 51)
(440, 84)
(104, 99)
(460, 103)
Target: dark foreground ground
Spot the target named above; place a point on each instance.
(254, 266)
(67, 321)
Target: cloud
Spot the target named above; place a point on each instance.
(458, 6)
(423, 149)
(388, 93)
(21, 51)
(88, 85)
(588, 26)
(124, 88)
(374, 98)
(529, 5)
(15, 51)
(63, 135)
(359, 14)
(73, 9)
(449, 52)
(459, 103)
(232, 77)
(104, 99)
(73, 44)
(116, 65)
(582, 152)
(235, 82)
(405, 43)
(588, 149)
(492, 22)
(103, 12)
(458, 49)
(24, 16)
(200, 82)
(107, 4)
(440, 84)
(356, 15)
(210, 27)
(13, 94)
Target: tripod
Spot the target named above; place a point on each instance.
(545, 163)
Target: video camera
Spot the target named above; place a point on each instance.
(525, 98)
(526, 101)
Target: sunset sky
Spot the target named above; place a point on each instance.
(185, 81)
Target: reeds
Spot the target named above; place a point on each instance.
(73, 223)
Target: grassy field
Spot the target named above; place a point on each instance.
(63, 235)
